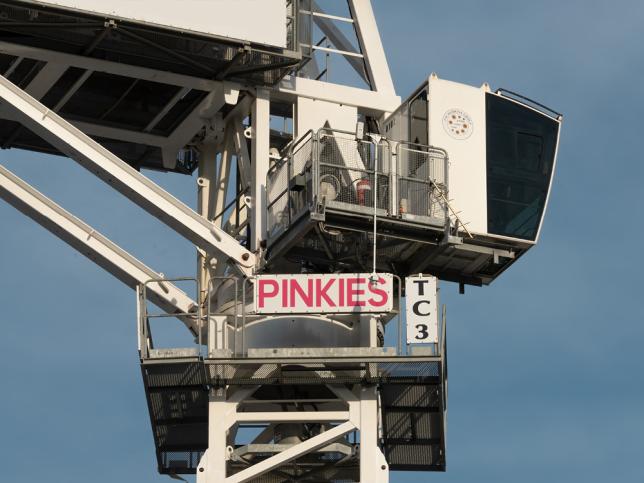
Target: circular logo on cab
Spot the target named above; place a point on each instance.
(458, 124)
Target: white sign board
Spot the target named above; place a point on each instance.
(323, 293)
(261, 21)
(421, 309)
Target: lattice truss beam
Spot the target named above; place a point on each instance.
(206, 235)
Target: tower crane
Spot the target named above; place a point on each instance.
(328, 210)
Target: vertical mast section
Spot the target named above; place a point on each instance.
(125, 179)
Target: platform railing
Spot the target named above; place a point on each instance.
(331, 169)
(144, 316)
(350, 172)
(421, 179)
(215, 286)
(236, 317)
(242, 315)
(287, 195)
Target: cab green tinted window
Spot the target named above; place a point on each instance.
(521, 146)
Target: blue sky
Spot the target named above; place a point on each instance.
(546, 379)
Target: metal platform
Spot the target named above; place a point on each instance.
(321, 210)
(412, 392)
(145, 45)
(134, 87)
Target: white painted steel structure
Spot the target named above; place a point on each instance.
(95, 246)
(296, 174)
(198, 16)
(123, 178)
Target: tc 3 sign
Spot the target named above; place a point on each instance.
(421, 310)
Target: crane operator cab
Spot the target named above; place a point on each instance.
(460, 175)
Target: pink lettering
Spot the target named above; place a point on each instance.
(306, 296)
(373, 288)
(284, 293)
(264, 293)
(353, 293)
(322, 293)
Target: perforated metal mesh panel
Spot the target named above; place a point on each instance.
(415, 456)
(179, 462)
(278, 219)
(301, 176)
(421, 173)
(289, 187)
(412, 404)
(351, 172)
(178, 405)
(413, 426)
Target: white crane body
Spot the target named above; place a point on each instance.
(320, 204)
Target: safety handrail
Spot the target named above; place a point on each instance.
(238, 313)
(209, 298)
(437, 185)
(287, 162)
(388, 165)
(144, 332)
(247, 282)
